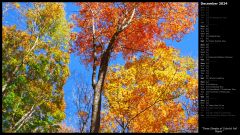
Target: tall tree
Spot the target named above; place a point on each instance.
(107, 29)
(35, 68)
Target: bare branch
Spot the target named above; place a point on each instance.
(156, 101)
(128, 22)
(137, 50)
(24, 118)
(94, 57)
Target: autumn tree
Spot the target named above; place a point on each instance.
(107, 29)
(141, 95)
(35, 68)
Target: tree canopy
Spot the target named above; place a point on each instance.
(34, 69)
(142, 94)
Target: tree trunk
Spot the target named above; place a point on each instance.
(98, 87)
(24, 119)
(96, 107)
(16, 68)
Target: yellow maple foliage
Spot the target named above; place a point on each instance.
(141, 94)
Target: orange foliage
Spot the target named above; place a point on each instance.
(151, 21)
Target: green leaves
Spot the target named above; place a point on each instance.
(9, 99)
(21, 79)
(49, 20)
(35, 65)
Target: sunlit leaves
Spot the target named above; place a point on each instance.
(35, 68)
(151, 21)
(107, 29)
(35, 65)
(83, 114)
(156, 81)
(16, 4)
(48, 19)
(65, 129)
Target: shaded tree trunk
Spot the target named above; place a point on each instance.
(24, 119)
(8, 81)
(98, 86)
(96, 107)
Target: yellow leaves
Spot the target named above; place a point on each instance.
(13, 61)
(138, 84)
(52, 107)
(16, 4)
(193, 122)
(49, 19)
(36, 61)
(188, 63)
(164, 113)
(59, 114)
(192, 88)
(63, 105)
(182, 114)
(165, 129)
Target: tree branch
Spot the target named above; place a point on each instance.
(94, 56)
(17, 67)
(156, 101)
(23, 119)
(128, 22)
(136, 50)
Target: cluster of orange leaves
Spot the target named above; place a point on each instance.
(151, 21)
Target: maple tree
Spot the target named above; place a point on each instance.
(34, 69)
(106, 29)
(141, 95)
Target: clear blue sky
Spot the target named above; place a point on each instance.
(188, 47)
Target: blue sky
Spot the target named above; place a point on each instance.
(188, 47)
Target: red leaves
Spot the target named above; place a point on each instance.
(142, 31)
(71, 26)
(83, 115)
(73, 36)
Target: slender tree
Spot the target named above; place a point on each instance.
(35, 68)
